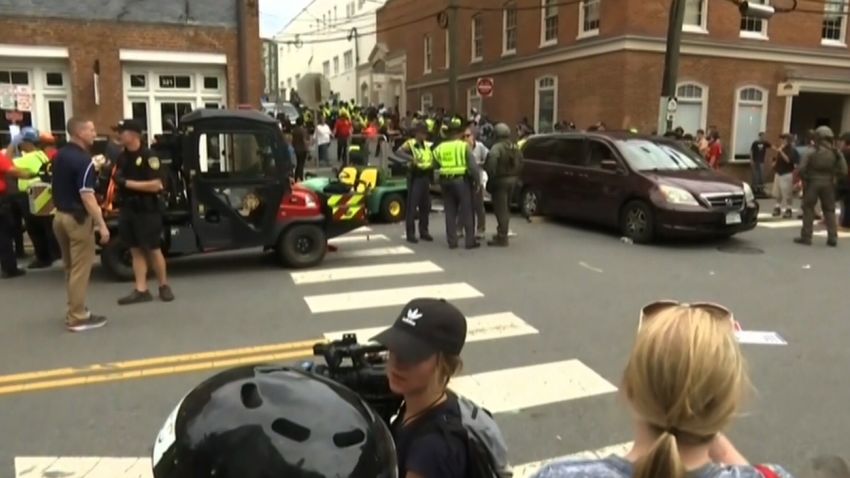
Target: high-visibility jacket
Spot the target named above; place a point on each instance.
(452, 157)
(431, 124)
(33, 162)
(423, 155)
(521, 143)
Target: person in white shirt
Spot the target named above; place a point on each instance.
(479, 154)
(322, 137)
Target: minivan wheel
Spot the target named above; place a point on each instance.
(530, 202)
(637, 222)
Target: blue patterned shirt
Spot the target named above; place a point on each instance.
(618, 467)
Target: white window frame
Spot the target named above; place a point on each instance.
(476, 28)
(703, 101)
(152, 96)
(841, 42)
(448, 57)
(762, 35)
(543, 16)
(703, 26)
(537, 90)
(472, 95)
(427, 54)
(42, 94)
(582, 6)
(509, 7)
(765, 99)
(348, 60)
(426, 102)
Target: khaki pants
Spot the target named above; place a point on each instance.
(76, 241)
(823, 190)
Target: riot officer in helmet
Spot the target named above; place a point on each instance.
(263, 421)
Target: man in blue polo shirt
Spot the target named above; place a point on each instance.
(77, 216)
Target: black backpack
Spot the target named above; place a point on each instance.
(486, 451)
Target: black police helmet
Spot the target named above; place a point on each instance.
(271, 421)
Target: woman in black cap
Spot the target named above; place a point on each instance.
(424, 347)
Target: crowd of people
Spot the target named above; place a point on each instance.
(684, 384)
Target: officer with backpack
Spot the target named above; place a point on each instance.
(437, 433)
(503, 166)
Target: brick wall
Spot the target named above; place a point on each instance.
(88, 41)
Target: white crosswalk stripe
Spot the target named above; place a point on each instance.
(368, 299)
(364, 272)
(505, 390)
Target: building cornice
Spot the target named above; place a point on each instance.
(690, 47)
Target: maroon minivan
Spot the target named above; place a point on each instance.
(644, 185)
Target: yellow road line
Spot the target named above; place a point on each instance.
(153, 372)
(154, 361)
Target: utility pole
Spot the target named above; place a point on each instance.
(453, 60)
(671, 65)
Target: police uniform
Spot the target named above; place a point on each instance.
(140, 217)
(820, 169)
(503, 164)
(454, 160)
(418, 189)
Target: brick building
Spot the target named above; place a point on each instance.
(602, 60)
(107, 60)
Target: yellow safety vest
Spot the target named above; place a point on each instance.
(354, 148)
(423, 156)
(31, 162)
(521, 143)
(381, 122)
(430, 123)
(451, 155)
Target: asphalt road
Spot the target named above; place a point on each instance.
(567, 298)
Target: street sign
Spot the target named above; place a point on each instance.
(672, 104)
(14, 116)
(485, 87)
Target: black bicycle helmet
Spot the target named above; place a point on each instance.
(269, 421)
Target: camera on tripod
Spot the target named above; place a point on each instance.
(362, 368)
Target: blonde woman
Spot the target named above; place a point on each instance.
(684, 382)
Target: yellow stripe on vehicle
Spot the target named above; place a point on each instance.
(334, 200)
(356, 199)
(352, 212)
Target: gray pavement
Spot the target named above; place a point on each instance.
(579, 287)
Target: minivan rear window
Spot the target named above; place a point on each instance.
(648, 155)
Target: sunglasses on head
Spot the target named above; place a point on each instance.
(717, 311)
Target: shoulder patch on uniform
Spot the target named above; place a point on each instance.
(153, 162)
(139, 161)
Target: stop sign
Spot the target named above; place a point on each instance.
(485, 86)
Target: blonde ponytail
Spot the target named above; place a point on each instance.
(662, 460)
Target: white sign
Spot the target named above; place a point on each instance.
(7, 97)
(23, 96)
(787, 88)
(755, 337)
(672, 105)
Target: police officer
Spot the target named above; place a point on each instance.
(503, 167)
(820, 170)
(272, 421)
(420, 155)
(457, 170)
(140, 219)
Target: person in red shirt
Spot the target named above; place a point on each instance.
(342, 133)
(8, 262)
(715, 151)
